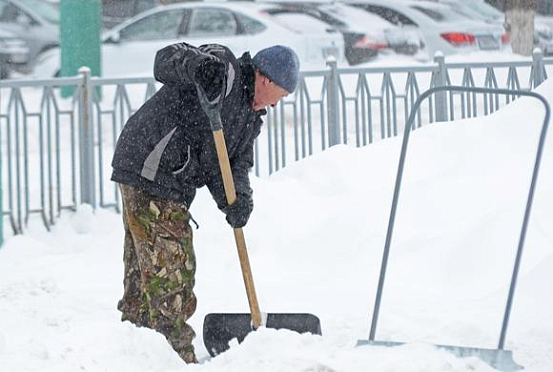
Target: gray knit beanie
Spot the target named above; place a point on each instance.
(280, 64)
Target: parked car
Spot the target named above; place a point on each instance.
(34, 21)
(543, 36)
(129, 48)
(365, 35)
(442, 28)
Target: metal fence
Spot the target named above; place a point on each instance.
(56, 150)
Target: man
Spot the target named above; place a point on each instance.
(166, 151)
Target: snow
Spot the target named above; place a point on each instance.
(315, 242)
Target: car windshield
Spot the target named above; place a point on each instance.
(467, 12)
(440, 14)
(46, 10)
(486, 11)
(356, 17)
(301, 23)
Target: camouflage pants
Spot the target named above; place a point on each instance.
(159, 268)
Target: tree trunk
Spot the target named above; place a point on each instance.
(519, 22)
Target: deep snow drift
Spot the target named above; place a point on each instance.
(315, 241)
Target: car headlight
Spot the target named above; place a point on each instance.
(14, 43)
(545, 35)
(16, 50)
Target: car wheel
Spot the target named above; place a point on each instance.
(4, 73)
(4, 69)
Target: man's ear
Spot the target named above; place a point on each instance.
(264, 80)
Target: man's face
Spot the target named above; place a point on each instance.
(267, 93)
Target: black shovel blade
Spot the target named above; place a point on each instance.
(219, 329)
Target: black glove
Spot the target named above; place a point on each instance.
(209, 73)
(239, 212)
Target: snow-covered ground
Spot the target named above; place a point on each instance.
(315, 241)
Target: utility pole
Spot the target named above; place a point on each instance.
(80, 37)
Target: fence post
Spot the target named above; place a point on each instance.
(333, 97)
(86, 140)
(538, 66)
(440, 80)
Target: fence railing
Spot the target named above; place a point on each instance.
(56, 151)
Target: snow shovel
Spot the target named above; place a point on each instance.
(220, 328)
(498, 358)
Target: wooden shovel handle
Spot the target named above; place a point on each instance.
(230, 192)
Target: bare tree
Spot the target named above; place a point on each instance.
(519, 22)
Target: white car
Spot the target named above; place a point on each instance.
(443, 29)
(129, 48)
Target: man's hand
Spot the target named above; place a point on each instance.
(239, 212)
(209, 73)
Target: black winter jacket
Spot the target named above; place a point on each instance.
(167, 146)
